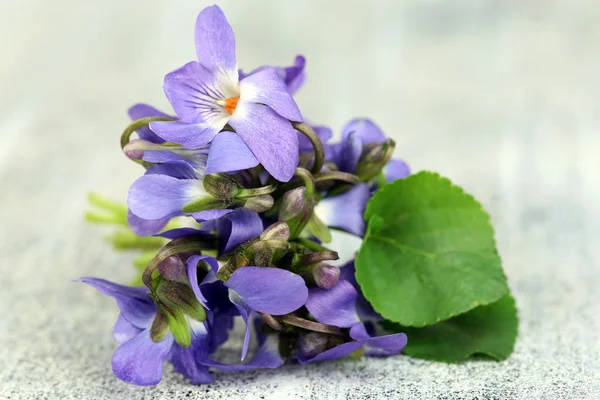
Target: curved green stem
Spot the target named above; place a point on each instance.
(307, 178)
(137, 124)
(310, 325)
(316, 142)
(337, 176)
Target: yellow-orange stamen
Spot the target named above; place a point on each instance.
(231, 104)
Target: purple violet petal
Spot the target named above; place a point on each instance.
(135, 304)
(189, 135)
(335, 306)
(267, 87)
(381, 345)
(215, 43)
(175, 169)
(346, 210)
(294, 76)
(271, 138)
(363, 307)
(193, 92)
(180, 232)
(365, 129)
(124, 330)
(267, 356)
(140, 360)
(229, 153)
(244, 311)
(334, 353)
(238, 227)
(350, 154)
(186, 360)
(396, 169)
(159, 196)
(269, 290)
(145, 227)
(141, 110)
(192, 273)
(209, 215)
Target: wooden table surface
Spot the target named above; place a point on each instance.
(503, 97)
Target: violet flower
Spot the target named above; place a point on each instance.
(208, 95)
(345, 211)
(139, 360)
(337, 306)
(266, 290)
(165, 189)
(355, 135)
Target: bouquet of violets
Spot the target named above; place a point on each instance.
(233, 217)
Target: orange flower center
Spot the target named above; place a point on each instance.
(231, 104)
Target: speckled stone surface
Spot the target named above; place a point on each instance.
(501, 96)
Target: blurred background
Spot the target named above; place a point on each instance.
(501, 96)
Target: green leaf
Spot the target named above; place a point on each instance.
(429, 253)
(489, 330)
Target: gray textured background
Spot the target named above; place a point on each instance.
(500, 96)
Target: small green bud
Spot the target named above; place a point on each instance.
(260, 203)
(221, 186)
(374, 157)
(206, 203)
(179, 296)
(265, 252)
(296, 210)
(278, 231)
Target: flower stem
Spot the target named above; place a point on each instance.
(311, 244)
(316, 142)
(337, 176)
(306, 176)
(310, 325)
(137, 124)
(259, 191)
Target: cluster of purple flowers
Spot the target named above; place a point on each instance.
(261, 189)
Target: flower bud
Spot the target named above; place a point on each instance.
(221, 186)
(259, 203)
(296, 209)
(179, 296)
(326, 276)
(264, 252)
(278, 231)
(135, 149)
(373, 159)
(173, 269)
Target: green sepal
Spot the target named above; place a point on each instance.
(179, 296)
(205, 203)
(220, 185)
(178, 325)
(160, 326)
(316, 227)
